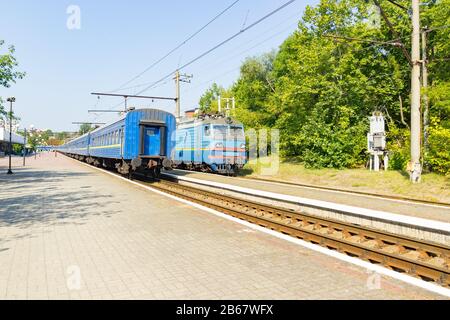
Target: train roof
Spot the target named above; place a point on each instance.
(122, 117)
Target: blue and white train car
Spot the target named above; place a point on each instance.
(210, 144)
(140, 141)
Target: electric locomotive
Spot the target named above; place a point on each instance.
(141, 140)
(210, 143)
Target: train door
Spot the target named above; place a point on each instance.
(122, 141)
(152, 141)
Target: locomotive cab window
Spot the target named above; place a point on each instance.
(220, 131)
(236, 131)
(207, 131)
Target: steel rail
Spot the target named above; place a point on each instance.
(361, 193)
(419, 258)
(422, 259)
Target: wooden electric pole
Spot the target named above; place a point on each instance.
(415, 166)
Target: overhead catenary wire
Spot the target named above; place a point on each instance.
(227, 58)
(213, 48)
(220, 44)
(237, 55)
(178, 46)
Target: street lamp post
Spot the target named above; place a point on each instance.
(10, 100)
(24, 145)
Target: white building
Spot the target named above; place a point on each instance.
(4, 140)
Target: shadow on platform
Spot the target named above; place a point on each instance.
(37, 198)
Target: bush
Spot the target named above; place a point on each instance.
(324, 145)
(438, 156)
(398, 142)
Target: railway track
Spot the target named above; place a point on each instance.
(361, 193)
(348, 191)
(425, 260)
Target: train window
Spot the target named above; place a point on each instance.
(236, 131)
(220, 131)
(207, 131)
(150, 131)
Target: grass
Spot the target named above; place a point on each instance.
(433, 187)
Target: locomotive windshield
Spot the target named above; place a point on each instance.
(222, 131)
(236, 131)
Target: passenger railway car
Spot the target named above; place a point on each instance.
(210, 144)
(142, 140)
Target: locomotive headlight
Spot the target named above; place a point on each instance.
(219, 145)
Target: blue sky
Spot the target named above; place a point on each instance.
(119, 39)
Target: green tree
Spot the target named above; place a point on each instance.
(437, 20)
(335, 70)
(253, 89)
(85, 128)
(209, 100)
(8, 74)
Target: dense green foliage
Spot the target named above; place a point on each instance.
(8, 74)
(85, 128)
(325, 80)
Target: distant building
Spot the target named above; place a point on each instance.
(4, 140)
(191, 113)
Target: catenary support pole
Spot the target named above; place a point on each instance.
(177, 102)
(24, 145)
(415, 167)
(426, 120)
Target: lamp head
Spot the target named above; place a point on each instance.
(11, 99)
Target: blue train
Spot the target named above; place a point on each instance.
(142, 140)
(210, 144)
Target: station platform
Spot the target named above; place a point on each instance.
(413, 209)
(70, 231)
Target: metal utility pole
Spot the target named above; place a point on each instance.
(126, 96)
(98, 111)
(177, 89)
(24, 145)
(92, 123)
(415, 166)
(10, 100)
(179, 78)
(426, 120)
